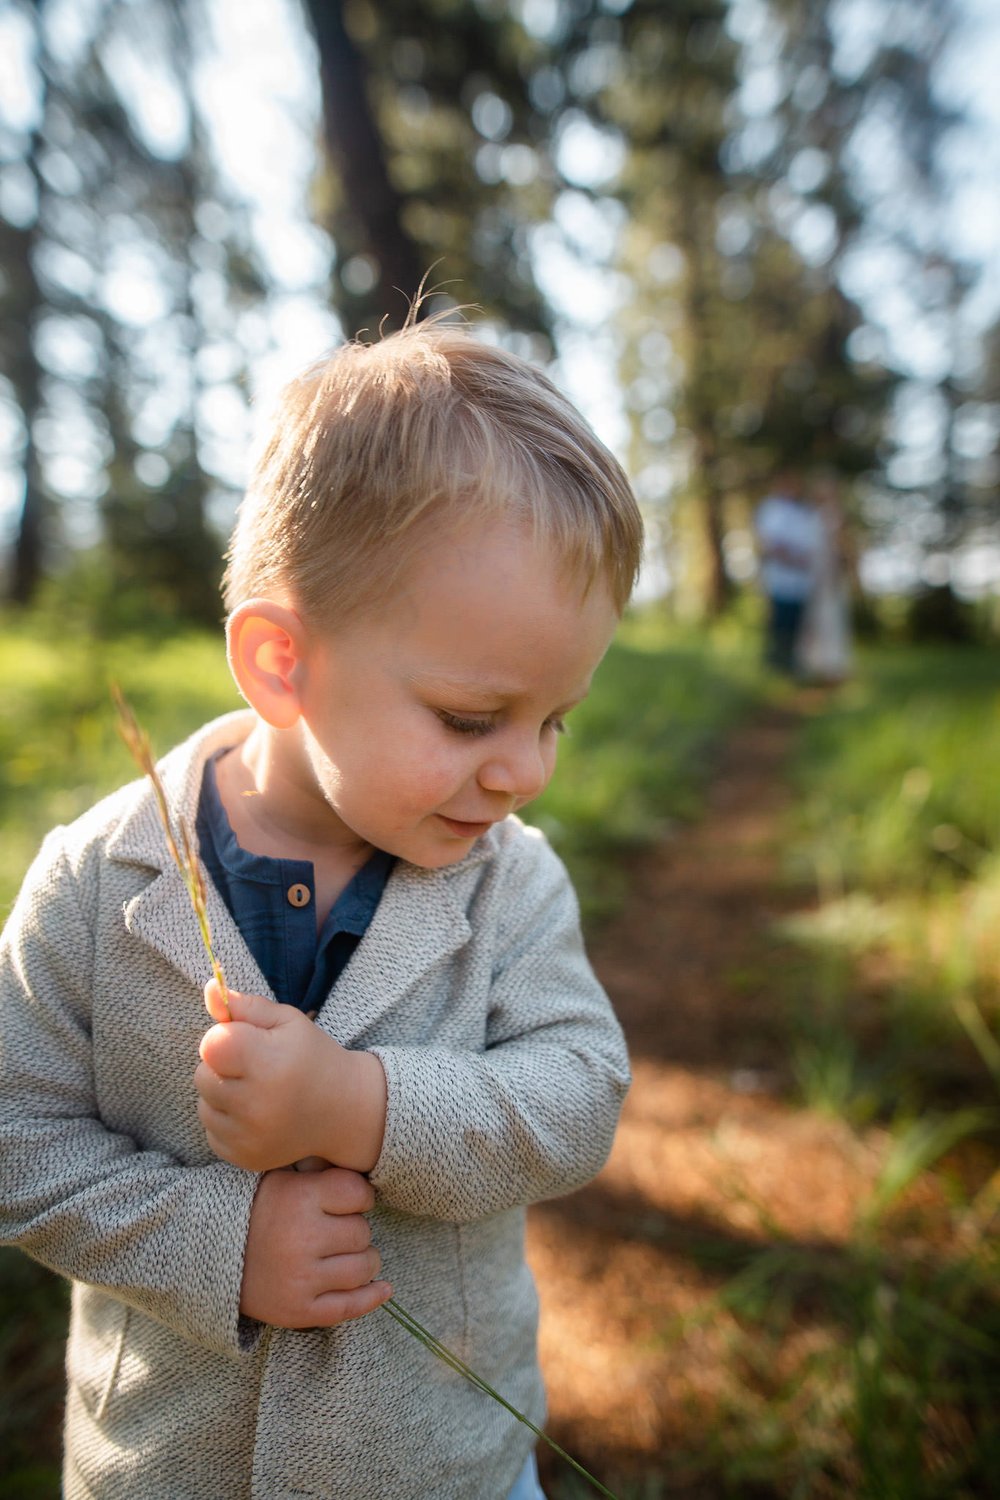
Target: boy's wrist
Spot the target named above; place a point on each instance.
(352, 1111)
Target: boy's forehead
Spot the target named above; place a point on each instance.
(490, 615)
(521, 647)
(567, 683)
(506, 543)
(491, 682)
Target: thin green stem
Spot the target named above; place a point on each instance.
(408, 1321)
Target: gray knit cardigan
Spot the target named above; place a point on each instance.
(506, 1070)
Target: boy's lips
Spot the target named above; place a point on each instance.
(465, 830)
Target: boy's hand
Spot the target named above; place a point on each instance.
(309, 1259)
(273, 1088)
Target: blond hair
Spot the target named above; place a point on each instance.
(377, 447)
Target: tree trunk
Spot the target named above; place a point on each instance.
(718, 588)
(701, 416)
(21, 365)
(373, 206)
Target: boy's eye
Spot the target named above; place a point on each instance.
(459, 724)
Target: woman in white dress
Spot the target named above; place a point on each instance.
(824, 646)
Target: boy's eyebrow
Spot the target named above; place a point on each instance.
(474, 687)
(487, 692)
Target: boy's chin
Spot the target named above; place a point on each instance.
(446, 857)
(440, 855)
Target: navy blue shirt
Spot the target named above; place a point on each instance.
(273, 904)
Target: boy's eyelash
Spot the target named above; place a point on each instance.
(464, 726)
(476, 727)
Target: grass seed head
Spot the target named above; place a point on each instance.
(184, 857)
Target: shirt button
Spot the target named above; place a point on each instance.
(299, 895)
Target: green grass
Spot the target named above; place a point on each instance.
(897, 830)
(59, 748)
(899, 782)
(641, 748)
(33, 1312)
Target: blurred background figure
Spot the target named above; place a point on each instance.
(790, 540)
(824, 643)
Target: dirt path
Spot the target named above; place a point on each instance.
(710, 1162)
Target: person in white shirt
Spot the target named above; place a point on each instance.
(790, 540)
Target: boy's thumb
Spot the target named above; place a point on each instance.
(253, 1010)
(217, 1007)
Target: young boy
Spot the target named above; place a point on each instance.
(426, 571)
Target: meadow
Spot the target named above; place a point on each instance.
(897, 826)
(886, 984)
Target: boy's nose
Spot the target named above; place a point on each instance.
(521, 771)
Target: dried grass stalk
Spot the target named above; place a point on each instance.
(184, 854)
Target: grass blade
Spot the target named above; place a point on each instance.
(408, 1321)
(924, 1143)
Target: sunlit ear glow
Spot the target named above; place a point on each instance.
(266, 645)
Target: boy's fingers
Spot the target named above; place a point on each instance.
(211, 1087)
(351, 1271)
(342, 1307)
(344, 1234)
(254, 1010)
(219, 1050)
(223, 1045)
(214, 1003)
(344, 1192)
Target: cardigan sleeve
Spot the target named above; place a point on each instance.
(165, 1237)
(533, 1115)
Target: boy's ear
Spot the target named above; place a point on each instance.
(266, 643)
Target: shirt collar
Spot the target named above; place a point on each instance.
(354, 907)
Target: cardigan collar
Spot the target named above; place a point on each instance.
(419, 921)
